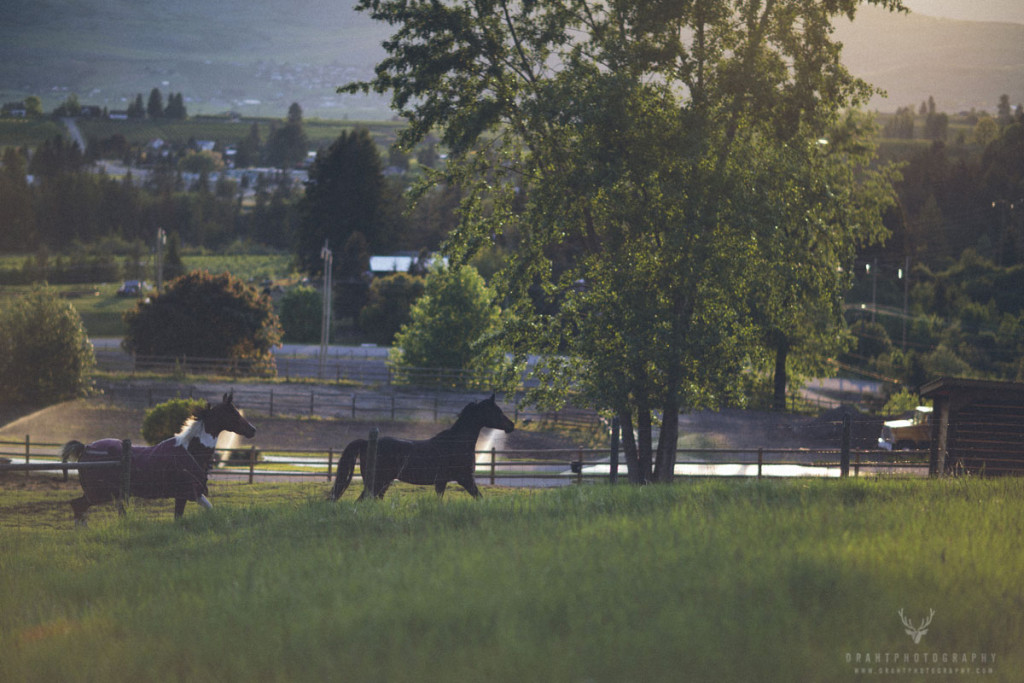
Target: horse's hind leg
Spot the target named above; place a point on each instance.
(80, 506)
(469, 484)
(439, 487)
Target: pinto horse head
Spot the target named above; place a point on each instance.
(490, 415)
(224, 417)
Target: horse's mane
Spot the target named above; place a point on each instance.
(194, 428)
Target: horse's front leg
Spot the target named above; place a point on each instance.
(439, 487)
(179, 507)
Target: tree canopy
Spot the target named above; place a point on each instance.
(653, 168)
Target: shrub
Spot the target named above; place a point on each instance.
(456, 311)
(45, 354)
(205, 316)
(301, 313)
(391, 299)
(164, 420)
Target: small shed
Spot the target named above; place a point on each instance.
(977, 426)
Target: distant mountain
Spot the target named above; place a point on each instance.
(962, 64)
(259, 56)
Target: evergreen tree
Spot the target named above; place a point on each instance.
(247, 152)
(287, 146)
(343, 197)
(155, 106)
(136, 110)
(175, 107)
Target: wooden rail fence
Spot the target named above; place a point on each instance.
(509, 467)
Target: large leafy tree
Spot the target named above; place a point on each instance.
(658, 146)
(205, 316)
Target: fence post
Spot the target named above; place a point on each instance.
(844, 449)
(760, 461)
(613, 463)
(252, 462)
(311, 395)
(28, 453)
(579, 461)
(494, 457)
(271, 402)
(330, 463)
(370, 475)
(126, 471)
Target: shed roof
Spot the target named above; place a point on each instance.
(945, 386)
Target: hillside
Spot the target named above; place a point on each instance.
(258, 56)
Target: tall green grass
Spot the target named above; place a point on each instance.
(703, 580)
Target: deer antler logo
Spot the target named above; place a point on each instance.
(916, 632)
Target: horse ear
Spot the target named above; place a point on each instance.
(492, 398)
(229, 397)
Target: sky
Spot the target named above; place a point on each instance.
(974, 10)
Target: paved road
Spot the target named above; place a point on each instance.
(74, 133)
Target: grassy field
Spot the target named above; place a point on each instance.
(704, 580)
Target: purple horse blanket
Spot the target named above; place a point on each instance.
(166, 470)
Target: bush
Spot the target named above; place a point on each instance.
(903, 401)
(456, 311)
(45, 354)
(301, 314)
(391, 299)
(164, 420)
(205, 316)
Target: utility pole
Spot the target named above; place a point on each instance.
(905, 276)
(325, 317)
(873, 272)
(161, 240)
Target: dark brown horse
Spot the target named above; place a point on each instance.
(448, 456)
(174, 468)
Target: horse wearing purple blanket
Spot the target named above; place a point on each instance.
(174, 468)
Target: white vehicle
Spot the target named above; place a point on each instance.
(908, 434)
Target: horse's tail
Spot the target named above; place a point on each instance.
(346, 467)
(72, 449)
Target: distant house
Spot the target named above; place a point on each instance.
(91, 111)
(16, 110)
(118, 115)
(406, 262)
(977, 426)
(205, 145)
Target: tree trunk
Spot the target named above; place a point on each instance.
(665, 466)
(644, 441)
(629, 446)
(779, 396)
